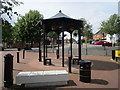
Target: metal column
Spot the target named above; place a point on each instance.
(71, 44)
(40, 59)
(63, 49)
(44, 50)
(79, 44)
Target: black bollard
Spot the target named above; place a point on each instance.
(57, 53)
(2, 49)
(19, 49)
(113, 54)
(8, 70)
(40, 59)
(69, 64)
(18, 57)
(24, 54)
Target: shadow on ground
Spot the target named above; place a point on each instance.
(22, 87)
(17, 70)
(100, 65)
(99, 81)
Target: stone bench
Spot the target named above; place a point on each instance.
(42, 78)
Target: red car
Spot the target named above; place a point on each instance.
(103, 43)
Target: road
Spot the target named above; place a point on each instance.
(96, 50)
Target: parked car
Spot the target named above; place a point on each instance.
(103, 43)
(94, 41)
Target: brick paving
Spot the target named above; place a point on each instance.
(104, 71)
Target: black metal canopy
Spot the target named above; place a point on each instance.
(60, 20)
(60, 23)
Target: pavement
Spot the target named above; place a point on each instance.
(104, 71)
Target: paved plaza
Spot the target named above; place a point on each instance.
(104, 72)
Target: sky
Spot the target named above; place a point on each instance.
(93, 11)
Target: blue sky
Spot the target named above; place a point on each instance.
(94, 12)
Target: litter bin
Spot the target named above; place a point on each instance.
(85, 71)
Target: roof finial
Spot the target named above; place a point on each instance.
(60, 11)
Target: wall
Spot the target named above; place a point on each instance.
(100, 36)
(1, 70)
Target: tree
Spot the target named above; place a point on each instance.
(7, 7)
(111, 26)
(86, 30)
(25, 27)
(7, 31)
(53, 36)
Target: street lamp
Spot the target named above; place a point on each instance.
(39, 25)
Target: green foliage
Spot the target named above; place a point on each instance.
(25, 28)
(83, 41)
(86, 30)
(75, 33)
(111, 26)
(52, 35)
(6, 31)
(118, 40)
(7, 7)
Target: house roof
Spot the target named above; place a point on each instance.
(99, 33)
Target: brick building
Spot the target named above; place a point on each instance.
(99, 35)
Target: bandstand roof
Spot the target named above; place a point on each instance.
(61, 22)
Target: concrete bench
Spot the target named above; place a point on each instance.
(42, 78)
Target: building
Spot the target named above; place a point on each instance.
(99, 35)
(112, 39)
(87, 38)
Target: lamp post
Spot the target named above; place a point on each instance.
(39, 24)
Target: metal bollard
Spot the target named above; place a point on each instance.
(57, 53)
(69, 64)
(40, 59)
(24, 54)
(8, 70)
(17, 56)
(113, 54)
(19, 49)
